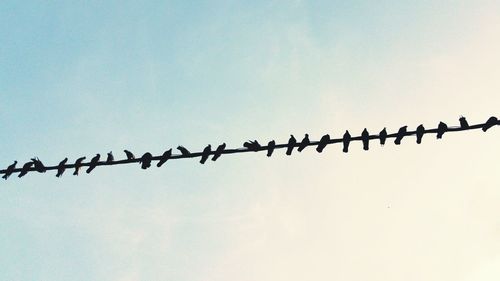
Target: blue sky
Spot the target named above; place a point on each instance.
(89, 77)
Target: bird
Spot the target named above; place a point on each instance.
(463, 122)
(183, 150)
(382, 136)
(304, 143)
(61, 167)
(166, 155)
(78, 165)
(9, 170)
(110, 158)
(346, 139)
(420, 133)
(146, 160)
(218, 151)
(129, 154)
(270, 148)
(399, 136)
(365, 137)
(25, 169)
(252, 145)
(39, 167)
(205, 154)
(291, 144)
(323, 142)
(492, 121)
(442, 128)
(93, 163)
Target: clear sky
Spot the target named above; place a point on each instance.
(85, 77)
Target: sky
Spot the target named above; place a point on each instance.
(84, 77)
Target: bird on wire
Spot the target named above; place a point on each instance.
(205, 154)
(492, 121)
(346, 139)
(400, 135)
(164, 158)
(291, 144)
(93, 163)
(78, 165)
(252, 145)
(382, 136)
(129, 155)
(442, 128)
(146, 160)
(218, 151)
(110, 157)
(270, 148)
(323, 142)
(420, 133)
(365, 137)
(304, 143)
(39, 167)
(9, 170)
(61, 167)
(463, 123)
(25, 169)
(183, 150)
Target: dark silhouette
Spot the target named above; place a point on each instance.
(164, 158)
(39, 167)
(205, 154)
(304, 143)
(442, 128)
(78, 165)
(323, 142)
(365, 137)
(382, 136)
(93, 163)
(218, 151)
(146, 160)
(25, 169)
(420, 133)
(492, 121)
(346, 139)
(291, 144)
(183, 150)
(9, 170)
(61, 167)
(252, 145)
(129, 154)
(400, 135)
(463, 122)
(270, 148)
(110, 157)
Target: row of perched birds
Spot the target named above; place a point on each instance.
(146, 159)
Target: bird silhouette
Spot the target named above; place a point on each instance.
(164, 158)
(291, 144)
(400, 135)
(129, 155)
(463, 122)
(304, 143)
(442, 128)
(218, 151)
(346, 139)
(39, 167)
(365, 137)
(146, 160)
(183, 150)
(492, 121)
(420, 133)
(61, 167)
(110, 157)
(93, 163)
(323, 142)
(252, 145)
(78, 165)
(382, 136)
(25, 169)
(9, 170)
(205, 154)
(270, 148)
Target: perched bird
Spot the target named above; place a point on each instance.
(346, 139)
(463, 122)
(420, 133)
(61, 167)
(323, 142)
(492, 121)
(291, 144)
(442, 128)
(25, 169)
(304, 143)
(93, 163)
(218, 151)
(400, 135)
(365, 137)
(252, 145)
(270, 148)
(78, 165)
(146, 160)
(164, 158)
(205, 154)
(129, 154)
(39, 167)
(183, 150)
(382, 136)
(9, 170)
(110, 158)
